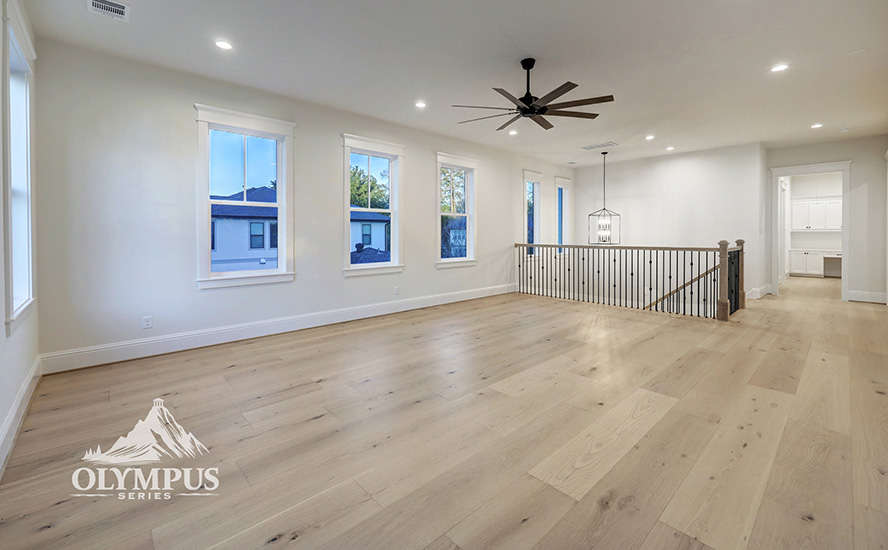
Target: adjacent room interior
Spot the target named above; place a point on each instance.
(440, 276)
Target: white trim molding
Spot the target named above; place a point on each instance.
(12, 419)
(122, 351)
(395, 154)
(776, 173)
(871, 297)
(210, 118)
(470, 167)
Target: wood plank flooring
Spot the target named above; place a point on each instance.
(514, 422)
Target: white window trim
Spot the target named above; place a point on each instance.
(566, 217)
(536, 178)
(471, 167)
(17, 21)
(395, 152)
(243, 123)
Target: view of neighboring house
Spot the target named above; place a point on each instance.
(453, 237)
(244, 237)
(370, 237)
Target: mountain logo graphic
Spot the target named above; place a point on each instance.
(157, 437)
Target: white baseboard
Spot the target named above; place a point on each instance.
(863, 296)
(13, 418)
(758, 293)
(133, 349)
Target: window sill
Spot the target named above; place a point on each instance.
(447, 264)
(245, 280)
(372, 270)
(20, 316)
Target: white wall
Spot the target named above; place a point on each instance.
(692, 199)
(867, 203)
(117, 230)
(19, 360)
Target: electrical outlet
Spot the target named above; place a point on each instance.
(397, 290)
(147, 321)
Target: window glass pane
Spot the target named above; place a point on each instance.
(380, 233)
(226, 165)
(530, 211)
(560, 215)
(360, 180)
(257, 234)
(453, 190)
(20, 188)
(261, 169)
(366, 234)
(379, 183)
(453, 236)
(235, 230)
(273, 235)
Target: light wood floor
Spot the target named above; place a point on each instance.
(508, 422)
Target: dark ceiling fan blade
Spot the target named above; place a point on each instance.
(510, 97)
(556, 93)
(573, 114)
(511, 120)
(581, 102)
(480, 107)
(483, 118)
(542, 122)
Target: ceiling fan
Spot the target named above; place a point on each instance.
(532, 107)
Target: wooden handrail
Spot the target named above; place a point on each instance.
(692, 281)
(618, 247)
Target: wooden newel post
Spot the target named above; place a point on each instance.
(724, 307)
(741, 292)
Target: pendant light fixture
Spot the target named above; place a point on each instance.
(604, 224)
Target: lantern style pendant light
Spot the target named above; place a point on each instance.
(604, 224)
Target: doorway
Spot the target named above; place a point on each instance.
(810, 214)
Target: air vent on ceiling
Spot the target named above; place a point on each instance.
(604, 145)
(109, 9)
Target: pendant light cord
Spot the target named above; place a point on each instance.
(604, 179)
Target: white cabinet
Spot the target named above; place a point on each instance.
(833, 214)
(806, 263)
(816, 214)
(799, 215)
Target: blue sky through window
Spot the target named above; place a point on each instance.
(228, 154)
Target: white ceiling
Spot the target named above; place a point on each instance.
(694, 74)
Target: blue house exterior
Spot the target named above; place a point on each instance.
(370, 236)
(244, 237)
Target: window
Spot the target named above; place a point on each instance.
(257, 234)
(532, 207)
(17, 178)
(366, 236)
(372, 178)
(456, 220)
(562, 214)
(244, 184)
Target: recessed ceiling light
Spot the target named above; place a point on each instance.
(818, 125)
(513, 132)
(223, 44)
(420, 104)
(648, 137)
(670, 148)
(778, 68)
